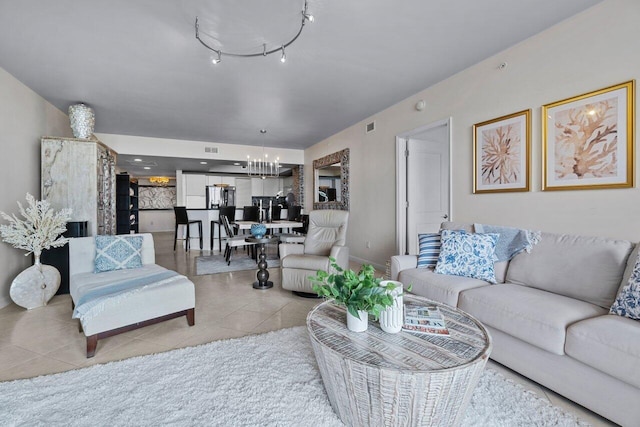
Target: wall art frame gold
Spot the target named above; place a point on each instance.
(501, 154)
(588, 140)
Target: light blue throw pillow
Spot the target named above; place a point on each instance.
(627, 302)
(429, 249)
(118, 253)
(468, 255)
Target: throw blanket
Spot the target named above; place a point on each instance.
(92, 303)
(512, 241)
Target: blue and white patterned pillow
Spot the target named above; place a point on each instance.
(118, 253)
(627, 302)
(467, 254)
(429, 249)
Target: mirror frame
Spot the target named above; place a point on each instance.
(341, 157)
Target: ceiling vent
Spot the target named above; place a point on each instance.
(370, 127)
(211, 149)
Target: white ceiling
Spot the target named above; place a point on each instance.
(138, 64)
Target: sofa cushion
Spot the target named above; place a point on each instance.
(627, 302)
(608, 343)
(537, 317)
(468, 255)
(428, 249)
(586, 268)
(118, 253)
(438, 287)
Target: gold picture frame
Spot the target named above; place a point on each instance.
(588, 140)
(501, 154)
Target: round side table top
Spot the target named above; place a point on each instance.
(404, 351)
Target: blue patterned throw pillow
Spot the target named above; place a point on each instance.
(429, 249)
(118, 253)
(467, 254)
(627, 302)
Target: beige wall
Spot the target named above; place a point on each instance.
(590, 51)
(24, 118)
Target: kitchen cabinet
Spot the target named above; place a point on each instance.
(195, 185)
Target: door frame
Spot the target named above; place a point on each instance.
(401, 178)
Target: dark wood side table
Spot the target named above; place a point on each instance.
(263, 275)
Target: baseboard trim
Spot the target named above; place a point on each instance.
(4, 301)
(365, 261)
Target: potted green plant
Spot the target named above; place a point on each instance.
(361, 293)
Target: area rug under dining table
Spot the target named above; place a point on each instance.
(216, 263)
(267, 380)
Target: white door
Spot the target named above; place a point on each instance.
(424, 184)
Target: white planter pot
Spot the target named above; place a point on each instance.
(358, 325)
(35, 286)
(391, 318)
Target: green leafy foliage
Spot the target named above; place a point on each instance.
(356, 291)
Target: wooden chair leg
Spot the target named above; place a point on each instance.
(92, 343)
(191, 316)
(200, 231)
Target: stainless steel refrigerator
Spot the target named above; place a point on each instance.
(218, 196)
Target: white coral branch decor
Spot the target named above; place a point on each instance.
(40, 229)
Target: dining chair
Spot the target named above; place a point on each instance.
(231, 241)
(230, 213)
(293, 213)
(182, 218)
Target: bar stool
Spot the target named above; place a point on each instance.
(182, 218)
(230, 213)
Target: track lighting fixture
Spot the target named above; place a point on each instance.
(265, 49)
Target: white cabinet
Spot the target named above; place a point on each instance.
(195, 185)
(213, 179)
(229, 180)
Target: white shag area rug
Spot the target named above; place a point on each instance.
(262, 380)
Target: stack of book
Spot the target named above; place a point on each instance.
(424, 320)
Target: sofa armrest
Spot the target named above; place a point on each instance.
(290, 249)
(341, 254)
(402, 262)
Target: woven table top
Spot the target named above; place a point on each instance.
(404, 351)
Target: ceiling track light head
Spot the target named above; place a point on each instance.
(265, 51)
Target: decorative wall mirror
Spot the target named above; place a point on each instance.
(331, 181)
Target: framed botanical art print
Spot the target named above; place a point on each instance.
(501, 154)
(587, 140)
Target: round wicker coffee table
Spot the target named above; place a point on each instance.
(374, 378)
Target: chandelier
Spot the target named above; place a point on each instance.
(261, 166)
(265, 50)
(162, 180)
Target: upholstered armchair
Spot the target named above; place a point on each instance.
(326, 238)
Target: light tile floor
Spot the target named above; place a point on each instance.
(46, 340)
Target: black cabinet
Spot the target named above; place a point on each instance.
(59, 257)
(127, 216)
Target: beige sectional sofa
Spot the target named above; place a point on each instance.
(549, 317)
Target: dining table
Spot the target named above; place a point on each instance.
(285, 224)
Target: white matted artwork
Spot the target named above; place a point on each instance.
(154, 197)
(587, 140)
(501, 154)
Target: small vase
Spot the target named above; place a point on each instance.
(35, 286)
(358, 325)
(82, 120)
(258, 230)
(391, 318)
